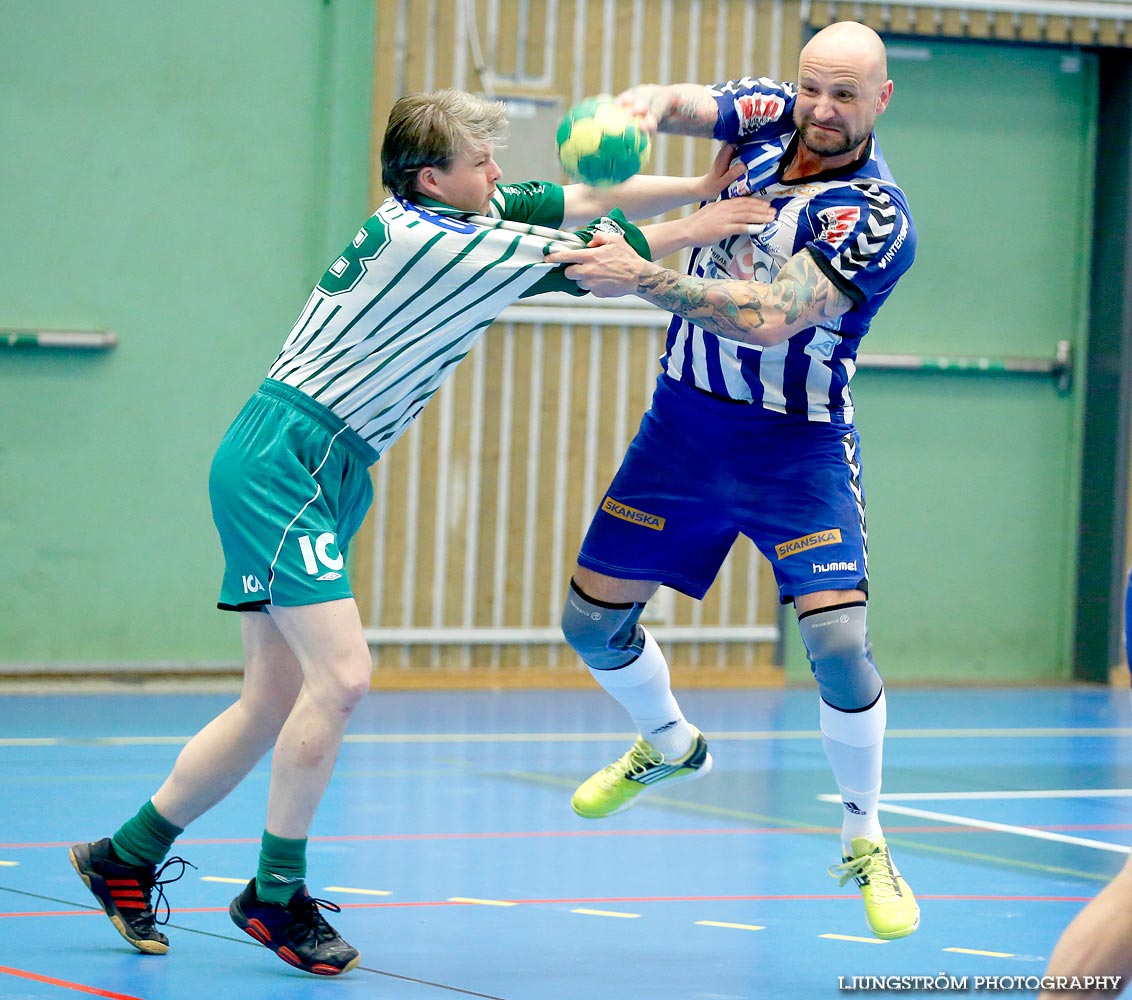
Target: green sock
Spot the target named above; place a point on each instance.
(282, 868)
(146, 838)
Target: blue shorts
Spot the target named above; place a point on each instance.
(703, 470)
(289, 487)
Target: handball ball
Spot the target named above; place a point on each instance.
(599, 143)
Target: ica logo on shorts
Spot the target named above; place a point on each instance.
(317, 557)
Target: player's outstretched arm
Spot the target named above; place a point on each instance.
(751, 312)
(713, 222)
(680, 108)
(647, 195)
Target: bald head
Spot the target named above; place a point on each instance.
(843, 87)
(849, 46)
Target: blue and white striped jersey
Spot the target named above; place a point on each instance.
(854, 221)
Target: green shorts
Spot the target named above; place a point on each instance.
(289, 486)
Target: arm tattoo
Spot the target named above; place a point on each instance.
(688, 110)
(753, 312)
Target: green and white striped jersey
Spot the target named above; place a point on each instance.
(408, 298)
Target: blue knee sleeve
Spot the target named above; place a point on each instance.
(606, 636)
(837, 644)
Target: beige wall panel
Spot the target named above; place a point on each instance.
(649, 56)
(1108, 33)
(443, 34)
(1058, 30)
(503, 49)
(1032, 28)
(1083, 33)
(538, 26)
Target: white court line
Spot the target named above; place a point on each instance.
(982, 824)
(1044, 793)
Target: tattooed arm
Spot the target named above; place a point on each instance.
(681, 108)
(752, 312)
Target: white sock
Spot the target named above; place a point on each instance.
(644, 690)
(854, 747)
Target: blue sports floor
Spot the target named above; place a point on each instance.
(448, 839)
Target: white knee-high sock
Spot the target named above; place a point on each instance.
(854, 747)
(644, 690)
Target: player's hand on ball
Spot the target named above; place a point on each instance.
(600, 144)
(607, 267)
(638, 103)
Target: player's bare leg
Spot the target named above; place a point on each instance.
(275, 909)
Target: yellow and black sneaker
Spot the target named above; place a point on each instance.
(890, 907)
(124, 892)
(297, 932)
(614, 788)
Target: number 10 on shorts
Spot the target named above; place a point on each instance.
(316, 558)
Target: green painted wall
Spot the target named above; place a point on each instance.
(179, 174)
(971, 479)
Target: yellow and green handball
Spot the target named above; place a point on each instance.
(599, 143)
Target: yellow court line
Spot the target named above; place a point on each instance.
(738, 927)
(228, 881)
(481, 902)
(973, 951)
(359, 892)
(604, 913)
(9, 864)
(847, 937)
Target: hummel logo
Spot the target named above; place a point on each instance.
(855, 809)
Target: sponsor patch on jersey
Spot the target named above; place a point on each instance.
(608, 225)
(837, 223)
(631, 514)
(828, 536)
(756, 110)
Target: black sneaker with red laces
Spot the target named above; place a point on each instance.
(297, 932)
(124, 892)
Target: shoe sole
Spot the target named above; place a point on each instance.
(259, 933)
(895, 935)
(699, 772)
(143, 945)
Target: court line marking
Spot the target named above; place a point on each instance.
(359, 892)
(482, 902)
(604, 913)
(83, 910)
(1028, 793)
(77, 987)
(723, 923)
(1021, 831)
(226, 881)
(982, 824)
(655, 800)
(752, 735)
(975, 951)
(850, 937)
